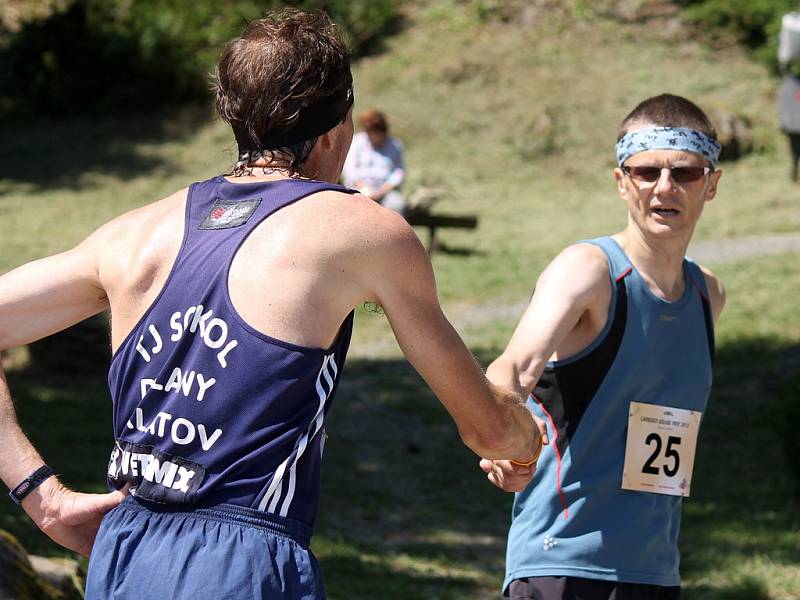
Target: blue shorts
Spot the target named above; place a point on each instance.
(215, 553)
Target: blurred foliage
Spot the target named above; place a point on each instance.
(92, 56)
(755, 23)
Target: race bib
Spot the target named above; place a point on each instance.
(659, 452)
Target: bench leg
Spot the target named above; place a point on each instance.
(431, 240)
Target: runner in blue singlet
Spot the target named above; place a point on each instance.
(615, 353)
(232, 306)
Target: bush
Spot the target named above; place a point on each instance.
(101, 55)
(755, 23)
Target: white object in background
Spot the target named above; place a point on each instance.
(789, 41)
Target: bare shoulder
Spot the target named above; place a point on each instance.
(147, 218)
(361, 226)
(716, 291)
(374, 245)
(581, 268)
(139, 239)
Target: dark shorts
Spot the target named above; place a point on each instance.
(212, 553)
(576, 588)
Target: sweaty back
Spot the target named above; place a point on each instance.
(208, 409)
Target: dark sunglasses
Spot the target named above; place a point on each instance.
(678, 174)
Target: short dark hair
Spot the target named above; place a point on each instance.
(668, 110)
(281, 65)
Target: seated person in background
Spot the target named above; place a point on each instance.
(374, 165)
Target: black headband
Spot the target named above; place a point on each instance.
(313, 121)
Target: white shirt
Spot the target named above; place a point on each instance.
(374, 166)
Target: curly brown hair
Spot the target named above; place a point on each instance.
(283, 79)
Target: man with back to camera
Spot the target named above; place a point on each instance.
(232, 304)
(615, 352)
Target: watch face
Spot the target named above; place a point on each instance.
(22, 488)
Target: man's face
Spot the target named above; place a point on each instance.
(665, 207)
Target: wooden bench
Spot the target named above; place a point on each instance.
(424, 218)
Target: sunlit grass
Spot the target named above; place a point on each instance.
(516, 123)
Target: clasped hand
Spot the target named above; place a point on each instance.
(510, 476)
(69, 518)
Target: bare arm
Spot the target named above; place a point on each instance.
(571, 294)
(36, 300)
(716, 293)
(69, 518)
(574, 287)
(50, 294)
(491, 421)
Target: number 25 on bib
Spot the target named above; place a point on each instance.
(659, 453)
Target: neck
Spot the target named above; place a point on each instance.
(658, 261)
(263, 169)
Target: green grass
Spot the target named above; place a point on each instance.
(516, 123)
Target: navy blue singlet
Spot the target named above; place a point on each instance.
(206, 409)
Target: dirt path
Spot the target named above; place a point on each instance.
(721, 251)
(468, 317)
(711, 253)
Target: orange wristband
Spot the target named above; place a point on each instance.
(535, 456)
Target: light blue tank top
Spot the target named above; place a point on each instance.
(574, 519)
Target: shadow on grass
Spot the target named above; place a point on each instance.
(54, 154)
(749, 588)
(458, 250)
(434, 503)
(405, 509)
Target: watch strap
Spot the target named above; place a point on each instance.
(30, 483)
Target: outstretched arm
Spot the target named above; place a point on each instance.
(492, 421)
(572, 291)
(50, 294)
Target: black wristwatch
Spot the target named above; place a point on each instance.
(30, 483)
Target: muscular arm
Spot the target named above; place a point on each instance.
(491, 421)
(572, 290)
(565, 313)
(36, 300)
(50, 294)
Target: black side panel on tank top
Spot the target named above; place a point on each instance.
(709, 328)
(566, 390)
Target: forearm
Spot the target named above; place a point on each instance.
(18, 457)
(70, 519)
(521, 439)
(505, 374)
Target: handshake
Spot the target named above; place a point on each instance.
(512, 475)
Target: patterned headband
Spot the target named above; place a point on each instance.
(667, 138)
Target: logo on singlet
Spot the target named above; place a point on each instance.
(157, 476)
(549, 543)
(225, 214)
